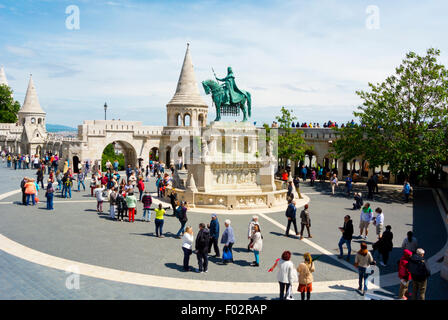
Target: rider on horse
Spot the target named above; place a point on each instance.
(233, 94)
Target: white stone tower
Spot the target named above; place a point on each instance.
(187, 108)
(3, 79)
(32, 118)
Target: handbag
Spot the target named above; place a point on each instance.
(227, 255)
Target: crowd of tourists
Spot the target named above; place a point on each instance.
(128, 193)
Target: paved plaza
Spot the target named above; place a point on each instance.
(121, 260)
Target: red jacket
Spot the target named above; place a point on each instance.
(403, 271)
(141, 185)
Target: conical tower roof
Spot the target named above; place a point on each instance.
(187, 92)
(31, 103)
(3, 79)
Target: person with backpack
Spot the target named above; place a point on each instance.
(201, 245)
(291, 215)
(50, 194)
(256, 244)
(420, 273)
(363, 260)
(404, 274)
(121, 205)
(214, 235)
(30, 191)
(147, 202)
(99, 198)
(182, 216)
(305, 271)
(384, 245)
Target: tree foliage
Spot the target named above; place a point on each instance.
(8, 107)
(291, 145)
(403, 120)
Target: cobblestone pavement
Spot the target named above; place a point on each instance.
(75, 231)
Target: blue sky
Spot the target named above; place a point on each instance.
(310, 56)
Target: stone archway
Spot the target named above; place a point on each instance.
(125, 148)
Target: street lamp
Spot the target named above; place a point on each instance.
(105, 109)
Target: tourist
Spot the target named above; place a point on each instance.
(420, 273)
(385, 245)
(99, 198)
(296, 182)
(334, 183)
(305, 271)
(256, 244)
(285, 175)
(141, 187)
(228, 239)
(22, 186)
(159, 185)
(312, 177)
(173, 199)
(68, 183)
(147, 202)
(182, 216)
(305, 221)
(250, 232)
(346, 238)
(131, 202)
(30, 191)
(115, 165)
(214, 235)
(375, 181)
(370, 187)
(304, 173)
(378, 221)
(406, 190)
(363, 260)
(81, 177)
(291, 215)
(410, 242)
(93, 184)
(159, 221)
(404, 274)
(348, 185)
(128, 172)
(50, 194)
(320, 174)
(121, 205)
(187, 242)
(358, 201)
(286, 275)
(201, 245)
(40, 177)
(365, 219)
(113, 203)
(290, 193)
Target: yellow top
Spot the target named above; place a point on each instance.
(159, 213)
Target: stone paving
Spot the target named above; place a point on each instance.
(75, 231)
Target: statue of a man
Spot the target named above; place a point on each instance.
(233, 94)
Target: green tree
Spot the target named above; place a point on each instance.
(8, 107)
(291, 145)
(403, 120)
(109, 154)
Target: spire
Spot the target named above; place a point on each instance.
(187, 92)
(3, 76)
(31, 103)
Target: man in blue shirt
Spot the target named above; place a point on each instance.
(348, 184)
(214, 235)
(228, 239)
(291, 215)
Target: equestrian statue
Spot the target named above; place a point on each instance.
(227, 97)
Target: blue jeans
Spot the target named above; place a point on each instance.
(28, 199)
(363, 275)
(349, 246)
(68, 189)
(182, 228)
(149, 214)
(83, 185)
(50, 201)
(159, 226)
(257, 256)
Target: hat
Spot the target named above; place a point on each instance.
(213, 215)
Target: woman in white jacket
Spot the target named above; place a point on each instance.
(256, 244)
(187, 242)
(286, 275)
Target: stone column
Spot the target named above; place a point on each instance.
(340, 165)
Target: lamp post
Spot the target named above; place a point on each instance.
(105, 109)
